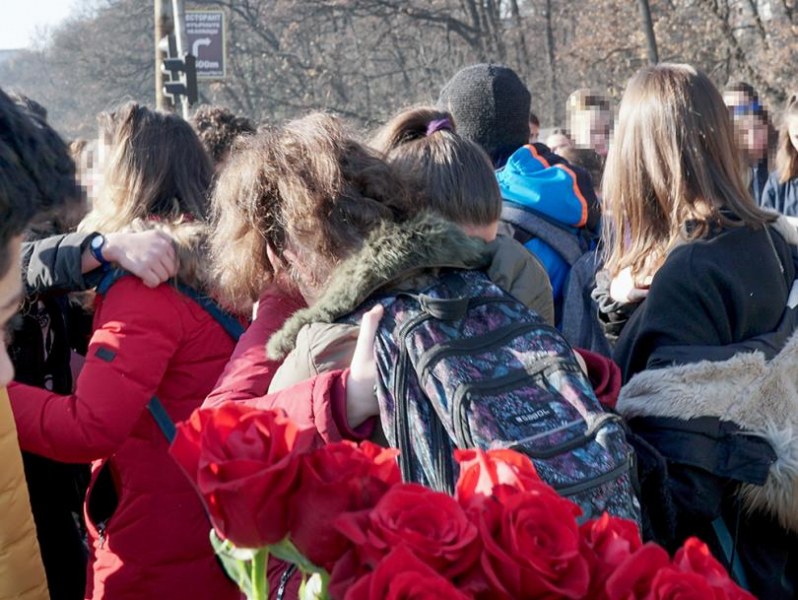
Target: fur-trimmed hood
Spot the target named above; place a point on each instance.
(392, 253)
(759, 396)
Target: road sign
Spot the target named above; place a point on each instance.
(206, 40)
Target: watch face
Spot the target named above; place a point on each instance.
(97, 241)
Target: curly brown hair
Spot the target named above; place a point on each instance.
(307, 187)
(217, 128)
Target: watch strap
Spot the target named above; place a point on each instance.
(96, 249)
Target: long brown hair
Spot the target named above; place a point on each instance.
(157, 176)
(308, 187)
(787, 155)
(452, 176)
(673, 171)
(156, 168)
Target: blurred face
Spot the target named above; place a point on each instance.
(752, 136)
(792, 130)
(96, 170)
(591, 129)
(733, 99)
(10, 297)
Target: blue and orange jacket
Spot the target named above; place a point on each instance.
(560, 197)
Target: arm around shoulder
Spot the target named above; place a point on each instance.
(54, 263)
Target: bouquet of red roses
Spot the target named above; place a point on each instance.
(341, 514)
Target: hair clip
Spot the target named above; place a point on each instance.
(439, 125)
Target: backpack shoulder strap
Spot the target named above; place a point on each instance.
(109, 278)
(162, 419)
(228, 322)
(565, 243)
(728, 545)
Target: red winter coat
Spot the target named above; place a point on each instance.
(249, 372)
(319, 402)
(146, 342)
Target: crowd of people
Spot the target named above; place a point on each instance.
(168, 265)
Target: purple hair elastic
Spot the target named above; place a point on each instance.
(439, 125)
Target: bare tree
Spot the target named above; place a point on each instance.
(365, 59)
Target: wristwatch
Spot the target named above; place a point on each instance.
(96, 244)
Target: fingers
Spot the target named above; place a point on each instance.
(170, 264)
(360, 400)
(151, 256)
(371, 321)
(638, 294)
(362, 364)
(159, 270)
(150, 279)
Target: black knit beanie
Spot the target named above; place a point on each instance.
(490, 106)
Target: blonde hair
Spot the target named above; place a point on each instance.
(306, 186)
(452, 176)
(673, 171)
(787, 155)
(156, 168)
(582, 100)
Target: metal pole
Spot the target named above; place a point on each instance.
(179, 18)
(162, 28)
(648, 27)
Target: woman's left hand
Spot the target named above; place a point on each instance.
(625, 290)
(361, 403)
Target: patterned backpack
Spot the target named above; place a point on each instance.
(463, 364)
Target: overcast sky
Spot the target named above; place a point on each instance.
(19, 19)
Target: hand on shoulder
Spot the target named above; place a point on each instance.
(149, 255)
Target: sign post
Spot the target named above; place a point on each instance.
(178, 11)
(206, 40)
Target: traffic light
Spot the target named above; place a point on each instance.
(182, 74)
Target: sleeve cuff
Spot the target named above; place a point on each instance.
(338, 406)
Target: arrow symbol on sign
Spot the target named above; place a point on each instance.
(199, 44)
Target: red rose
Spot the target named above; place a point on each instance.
(670, 584)
(335, 479)
(402, 576)
(532, 545)
(481, 471)
(607, 542)
(431, 524)
(632, 579)
(694, 557)
(245, 464)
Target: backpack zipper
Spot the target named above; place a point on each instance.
(611, 475)
(401, 427)
(461, 398)
(429, 359)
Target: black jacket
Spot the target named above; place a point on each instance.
(54, 263)
(703, 452)
(714, 292)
